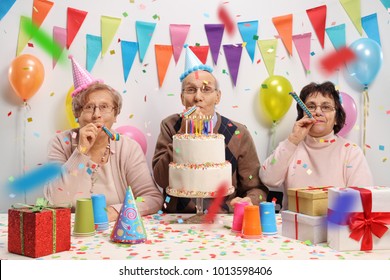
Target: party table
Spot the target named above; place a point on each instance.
(168, 238)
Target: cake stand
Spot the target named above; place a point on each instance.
(199, 217)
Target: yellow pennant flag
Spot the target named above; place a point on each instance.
(23, 37)
(352, 7)
(109, 26)
(268, 52)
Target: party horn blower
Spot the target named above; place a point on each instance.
(108, 132)
(187, 113)
(128, 227)
(301, 104)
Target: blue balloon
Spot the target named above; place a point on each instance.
(368, 60)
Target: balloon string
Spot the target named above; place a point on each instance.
(273, 133)
(366, 105)
(24, 144)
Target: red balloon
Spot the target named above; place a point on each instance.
(26, 75)
(135, 134)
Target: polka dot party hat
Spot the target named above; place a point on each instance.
(81, 77)
(129, 227)
(193, 64)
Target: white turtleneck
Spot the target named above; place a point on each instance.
(327, 161)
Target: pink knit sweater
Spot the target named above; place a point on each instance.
(128, 168)
(327, 161)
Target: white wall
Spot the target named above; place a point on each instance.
(28, 140)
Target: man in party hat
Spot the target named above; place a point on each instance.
(129, 227)
(200, 90)
(95, 160)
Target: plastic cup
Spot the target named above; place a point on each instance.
(251, 228)
(84, 223)
(238, 216)
(99, 211)
(268, 218)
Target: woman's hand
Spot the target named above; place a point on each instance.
(240, 199)
(87, 137)
(301, 129)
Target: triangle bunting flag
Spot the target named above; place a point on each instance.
(109, 27)
(268, 52)
(352, 8)
(336, 35)
(201, 52)
(178, 37)
(74, 21)
(129, 50)
(214, 34)
(40, 10)
(284, 26)
(145, 32)
(163, 57)
(233, 59)
(94, 48)
(317, 18)
(302, 44)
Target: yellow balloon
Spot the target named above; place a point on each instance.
(68, 106)
(274, 96)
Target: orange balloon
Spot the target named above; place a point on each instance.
(26, 75)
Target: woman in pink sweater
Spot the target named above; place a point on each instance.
(94, 160)
(313, 154)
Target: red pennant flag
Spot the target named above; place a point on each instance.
(201, 52)
(74, 21)
(317, 18)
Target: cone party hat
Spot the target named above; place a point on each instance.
(81, 77)
(128, 227)
(193, 64)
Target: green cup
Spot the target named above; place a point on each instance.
(84, 224)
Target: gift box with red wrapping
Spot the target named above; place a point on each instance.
(304, 227)
(37, 234)
(359, 218)
(312, 201)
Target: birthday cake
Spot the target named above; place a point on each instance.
(199, 166)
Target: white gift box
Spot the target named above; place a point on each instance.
(339, 230)
(304, 227)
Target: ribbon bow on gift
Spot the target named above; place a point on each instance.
(40, 204)
(365, 224)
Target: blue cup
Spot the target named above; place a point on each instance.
(268, 218)
(99, 211)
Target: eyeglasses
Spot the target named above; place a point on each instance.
(324, 107)
(103, 108)
(203, 89)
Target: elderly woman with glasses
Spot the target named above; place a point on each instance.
(313, 154)
(97, 163)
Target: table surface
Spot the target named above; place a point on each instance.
(170, 239)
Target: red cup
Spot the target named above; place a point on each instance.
(251, 227)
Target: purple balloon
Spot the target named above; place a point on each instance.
(135, 134)
(349, 106)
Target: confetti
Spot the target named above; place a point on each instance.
(29, 119)
(226, 19)
(337, 59)
(131, 116)
(167, 199)
(9, 113)
(112, 52)
(216, 203)
(139, 199)
(37, 177)
(381, 147)
(250, 177)
(125, 14)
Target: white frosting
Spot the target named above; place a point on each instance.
(202, 149)
(198, 166)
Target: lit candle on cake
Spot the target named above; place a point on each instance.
(186, 125)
